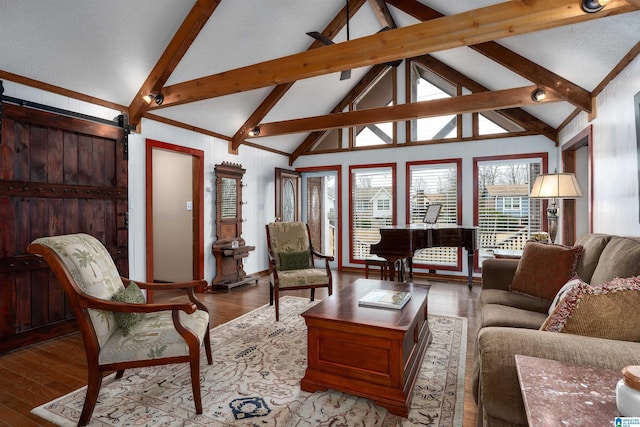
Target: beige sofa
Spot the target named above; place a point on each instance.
(509, 324)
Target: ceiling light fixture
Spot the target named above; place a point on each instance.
(254, 132)
(157, 97)
(538, 95)
(593, 6)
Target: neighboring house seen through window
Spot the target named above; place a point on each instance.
(373, 187)
(435, 182)
(506, 217)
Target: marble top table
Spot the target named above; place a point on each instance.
(561, 394)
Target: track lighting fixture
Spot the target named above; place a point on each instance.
(593, 6)
(255, 131)
(157, 97)
(538, 95)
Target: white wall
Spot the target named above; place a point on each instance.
(259, 193)
(615, 155)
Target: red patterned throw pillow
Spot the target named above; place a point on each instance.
(608, 311)
(544, 269)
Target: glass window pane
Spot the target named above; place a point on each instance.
(506, 215)
(380, 94)
(487, 127)
(428, 184)
(428, 86)
(372, 207)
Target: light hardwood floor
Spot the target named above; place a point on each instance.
(38, 374)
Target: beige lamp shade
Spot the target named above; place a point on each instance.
(556, 185)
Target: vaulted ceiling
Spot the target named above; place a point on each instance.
(225, 66)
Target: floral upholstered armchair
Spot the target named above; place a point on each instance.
(291, 261)
(119, 329)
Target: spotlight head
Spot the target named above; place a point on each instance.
(593, 6)
(157, 97)
(538, 95)
(254, 132)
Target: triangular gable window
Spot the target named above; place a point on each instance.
(330, 140)
(427, 86)
(492, 122)
(380, 94)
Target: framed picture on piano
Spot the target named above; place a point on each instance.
(431, 216)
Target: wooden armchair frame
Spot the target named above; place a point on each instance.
(274, 282)
(82, 302)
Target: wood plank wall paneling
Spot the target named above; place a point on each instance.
(58, 175)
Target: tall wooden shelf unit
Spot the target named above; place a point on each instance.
(230, 248)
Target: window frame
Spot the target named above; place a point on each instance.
(392, 72)
(408, 182)
(544, 158)
(372, 167)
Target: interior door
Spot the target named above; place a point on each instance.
(58, 175)
(320, 208)
(172, 212)
(182, 214)
(288, 203)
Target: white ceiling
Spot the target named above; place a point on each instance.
(106, 49)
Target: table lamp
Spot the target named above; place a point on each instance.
(555, 186)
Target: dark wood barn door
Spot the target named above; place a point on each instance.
(58, 175)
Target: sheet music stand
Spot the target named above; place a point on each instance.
(433, 211)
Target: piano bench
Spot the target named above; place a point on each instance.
(377, 261)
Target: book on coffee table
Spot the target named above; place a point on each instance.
(383, 298)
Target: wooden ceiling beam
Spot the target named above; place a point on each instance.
(518, 116)
(180, 43)
(381, 10)
(334, 27)
(483, 101)
(520, 65)
(476, 26)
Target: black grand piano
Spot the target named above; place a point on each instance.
(401, 241)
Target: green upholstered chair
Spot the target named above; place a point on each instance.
(291, 261)
(122, 335)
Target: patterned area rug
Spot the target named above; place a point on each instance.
(255, 381)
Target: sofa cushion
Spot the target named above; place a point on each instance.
(610, 310)
(593, 245)
(544, 269)
(297, 260)
(620, 258)
(513, 299)
(503, 315)
(572, 283)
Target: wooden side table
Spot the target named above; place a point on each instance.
(561, 394)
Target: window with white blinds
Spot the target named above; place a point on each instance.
(506, 215)
(371, 206)
(430, 183)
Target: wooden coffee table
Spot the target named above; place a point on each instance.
(370, 352)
